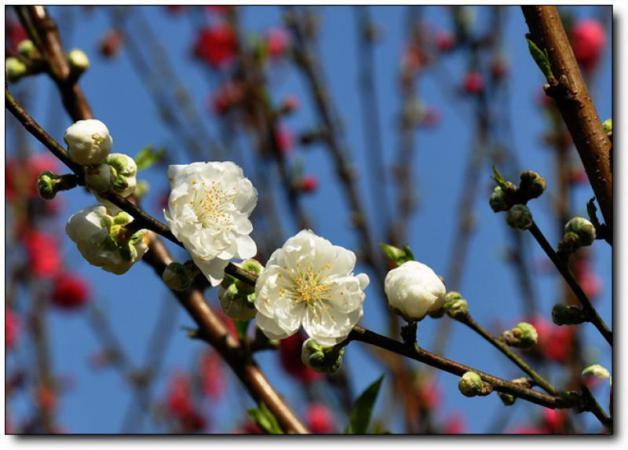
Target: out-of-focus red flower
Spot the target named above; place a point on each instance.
(11, 329)
(473, 83)
(309, 183)
(46, 397)
(178, 397)
(319, 419)
(42, 253)
(110, 44)
(578, 176)
(590, 283)
(529, 430)
(412, 60)
(428, 393)
(212, 375)
(555, 342)
(290, 104)
(455, 424)
(588, 39)
(193, 422)
(249, 428)
(290, 358)
(444, 40)
(15, 33)
(69, 291)
(277, 42)
(216, 45)
(226, 97)
(285, 140)
(229, 323)
(554, 420)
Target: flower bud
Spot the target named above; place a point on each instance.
(583, 228)
(395, 254)
(89, 142)
(498, 200)
(14, 69)
(569, 243)
(456, 306)
(123, 174)
(236, 303)
(596, 371)
(47, 185)
(608, 126)
(78, 61)
(322, 359)
(519, 217)
(507, 399)
(523, 335)
(413, 290)
(532, 185)
(568, 315)
(177, 277)
(28, 50)
(98, 178)
(252, 265)
(471, 385)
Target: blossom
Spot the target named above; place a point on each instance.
(89, 142)
(588, 39)
(319, 419)
(309, 184)
(414, 290)
(11, 328)
(42, 252)
(473, 83)
(208, 211)
(213, 378)
(216, 45)
(310, 282)
(69, 291)
(102, 240)
(277, 42)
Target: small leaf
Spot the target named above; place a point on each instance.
(148, 157)
(409, 254)
(541, 58)
(265, 419)
(499, 179)
(360, 415)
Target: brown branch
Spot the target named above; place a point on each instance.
(570, 92)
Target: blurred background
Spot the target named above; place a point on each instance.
(419, 101)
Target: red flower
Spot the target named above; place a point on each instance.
(444, 41)
(554, 420)
(319, 419)
(455, 424)
(555, 342)
(216, 45)
(15, 34)
(226, 97)
(277, 42)
(588, 39)
(178, 398)
(590, 283)
(473, 83)
(290, 358)
(11, 328)
(42, 253)
(212, 375)
(309, 183)
(428, 393)
(285, 141)
(69, 291)
(110, 44)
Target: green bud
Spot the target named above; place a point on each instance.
(596, 371)
(608, 126)
(583, 228)
(236, 303)
(176, 277)
(519, 217)
(15, 69)
(396, 254)
(78, 61)
(531, 185)
(455, 306)
(322, 359)
(507, 399)
(123, 174)
(98, 178)
(569, 243)
(471, 385)
(568, 315)
(28, 50)
(252, 265)
(47, 185)
(498, 200)
(523, 335)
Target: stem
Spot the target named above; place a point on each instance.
(570, 92)
(592, 314)
(510, 354)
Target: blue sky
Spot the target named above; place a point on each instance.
(97, 400)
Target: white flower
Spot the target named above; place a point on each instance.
(101, 240)
(413, 290)
(208, 211)
(89, 142)
(310, 282)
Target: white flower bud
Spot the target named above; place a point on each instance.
(98, 178)
(414, 290)
(14, 69)
(596, 371)
(471, 384)
(124, 173)
(583, 228)
(78, 61)
(102, 241)
(89, 142)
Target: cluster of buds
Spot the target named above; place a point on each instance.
(508, 197)
(28, 61)
(579, 232)
(455, 306)
(523, 335)
(472, 385)
(322, 359)
(237, 298)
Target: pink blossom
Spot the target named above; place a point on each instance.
(588, 39)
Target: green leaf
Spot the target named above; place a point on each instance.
(149, 156)
(360, 415)
(498, 177)
(540, 58)
(265, 419)
(409, 254)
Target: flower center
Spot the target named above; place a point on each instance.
(309, 286)
(210, 206)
